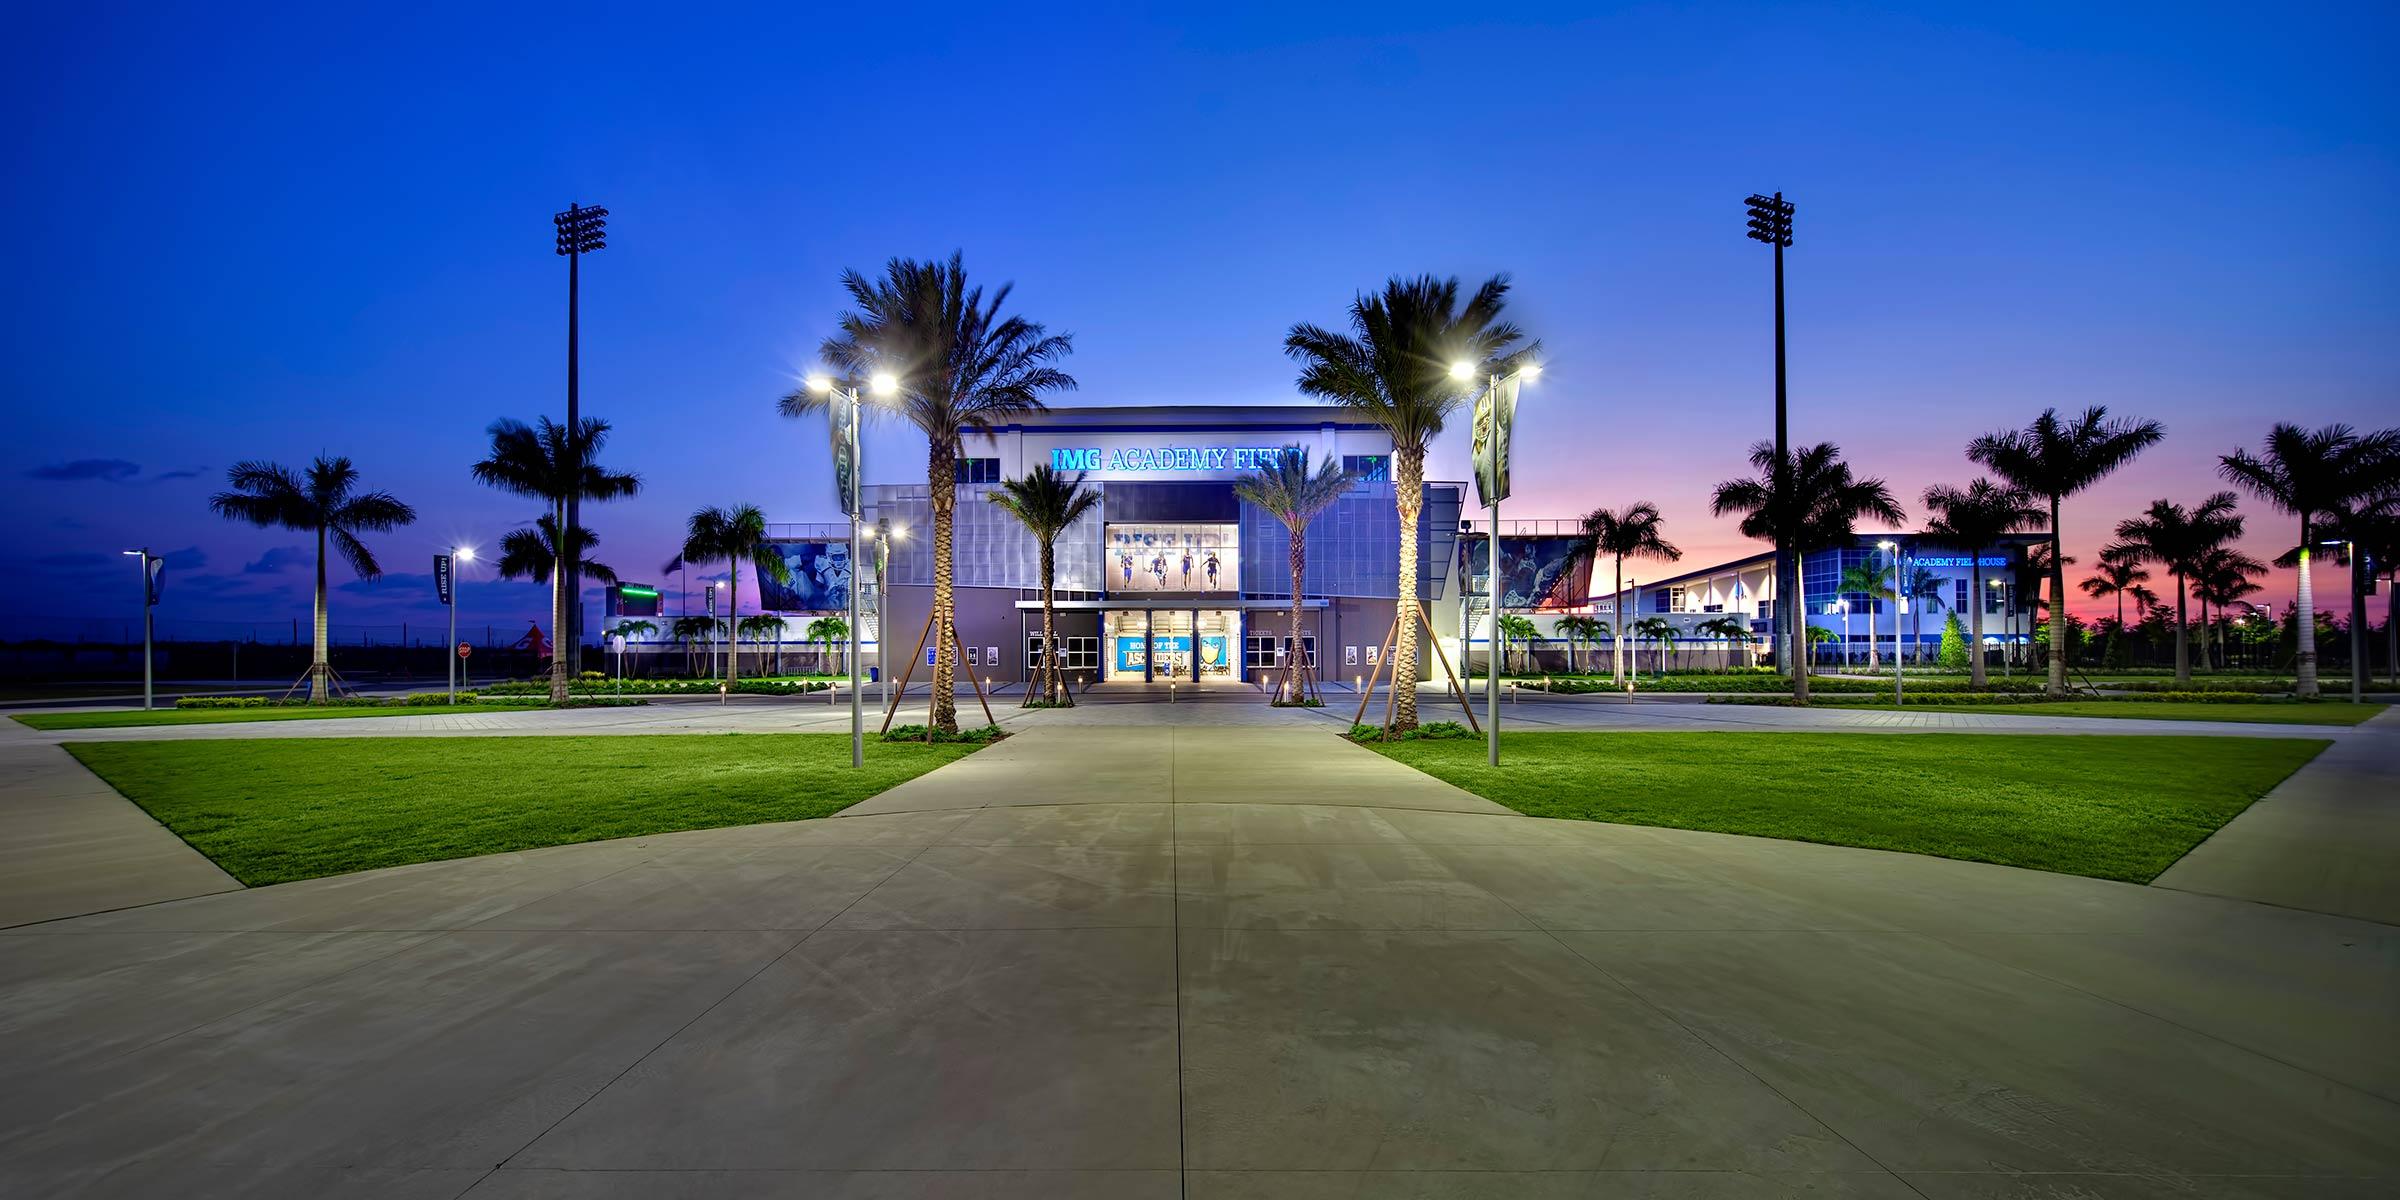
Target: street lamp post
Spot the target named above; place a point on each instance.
(461, 555)
(149, 602)
(884, 385)
(1771, 222)
(1491, 659)
(885, 534)
(581, 231)
(1899, 601)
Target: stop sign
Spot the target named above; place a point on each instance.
(464, 649)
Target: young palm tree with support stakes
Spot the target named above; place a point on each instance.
(1394, 368)
(958, 366)
(1579, 630)
(689, 629)
(1512, 627)
(736, 535)
(1820, 512)
(2177, 539)
(2311, 474)
(758, 629)
(2055, 458)
(1726, 629)
(325, 502)
(1293, 494)
(546, 461)
(1047, 504)
(1629, 532)
(1974, 519)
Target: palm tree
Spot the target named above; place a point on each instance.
(2118, 575)
(631, 631)
(960, 366)
(1868, 578)
(1731, 631)
(2311, 474)
(825, 631)
(2176, 539)
(1578, 629)
(1974, 519)
(1289, 491)
(758, 629)
(327, 503)
(687, 630)
(2220, 579)
(1513, 627)
(2055, 458)
(1926, 591)
(1048, 504)
(1656, 629)
(737, 535)
(1821, 512)
(1632, 532)
(532, 552)
(1395, 367)
(547, 461)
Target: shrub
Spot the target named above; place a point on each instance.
(1954, 644)
(919, 733)
(661, 687)
(1431, 731)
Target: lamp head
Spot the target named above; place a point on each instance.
(1530, 370)
(885, 384)
(1462, 371)
(820, 384)
(464, 554)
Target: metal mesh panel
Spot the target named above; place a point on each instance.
(989, 547)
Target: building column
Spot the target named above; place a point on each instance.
(1149, 646)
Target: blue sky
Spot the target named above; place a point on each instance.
(274, 233)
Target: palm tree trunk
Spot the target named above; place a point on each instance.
(733, 622)
(2183, 650)
(1295, 676)
(2058, 606)
(1975, 670)
(1046, 671)
(558, 615)
(1617, 628)
(941, 486)
(1409, 496)
(319, 653)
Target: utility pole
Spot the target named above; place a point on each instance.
(1771, 222)
(149, 605)
(581, 231)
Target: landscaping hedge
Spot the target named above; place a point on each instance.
(660, 687)
(1768, 684)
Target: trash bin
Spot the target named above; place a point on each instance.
(874, 674)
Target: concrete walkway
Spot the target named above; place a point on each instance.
(2327, 840)
(69, 844)
(1200, 962)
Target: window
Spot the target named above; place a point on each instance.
(1960, 603)
(1368, 468)
(1258, 650)
(979, 470)
(1076, 653)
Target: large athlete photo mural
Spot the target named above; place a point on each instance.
(1535, 572)
(820, 579)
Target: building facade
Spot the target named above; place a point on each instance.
(1172, 577)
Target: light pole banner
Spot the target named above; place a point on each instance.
(154, 579)
(441, 577)
(841, 420)
(1495, 415)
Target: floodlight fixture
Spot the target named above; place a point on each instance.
(1770, 219)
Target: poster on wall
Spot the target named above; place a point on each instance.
(1536, 572)
(820, 578)
(1172, 558)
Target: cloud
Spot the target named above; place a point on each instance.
(190, 558)
(277, 559)
(113, 470)
(186, 473)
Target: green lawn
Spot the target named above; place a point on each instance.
(2112, 807)
(2271, 713)
(216, 716)
(275, 810)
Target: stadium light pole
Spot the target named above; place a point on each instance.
(884, 385)
(581, 231)
(149, 602)
(1771, 222)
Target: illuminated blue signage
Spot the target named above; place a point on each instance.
(1936, 560)
(1167, 458)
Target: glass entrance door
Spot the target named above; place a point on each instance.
(1170, 645)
